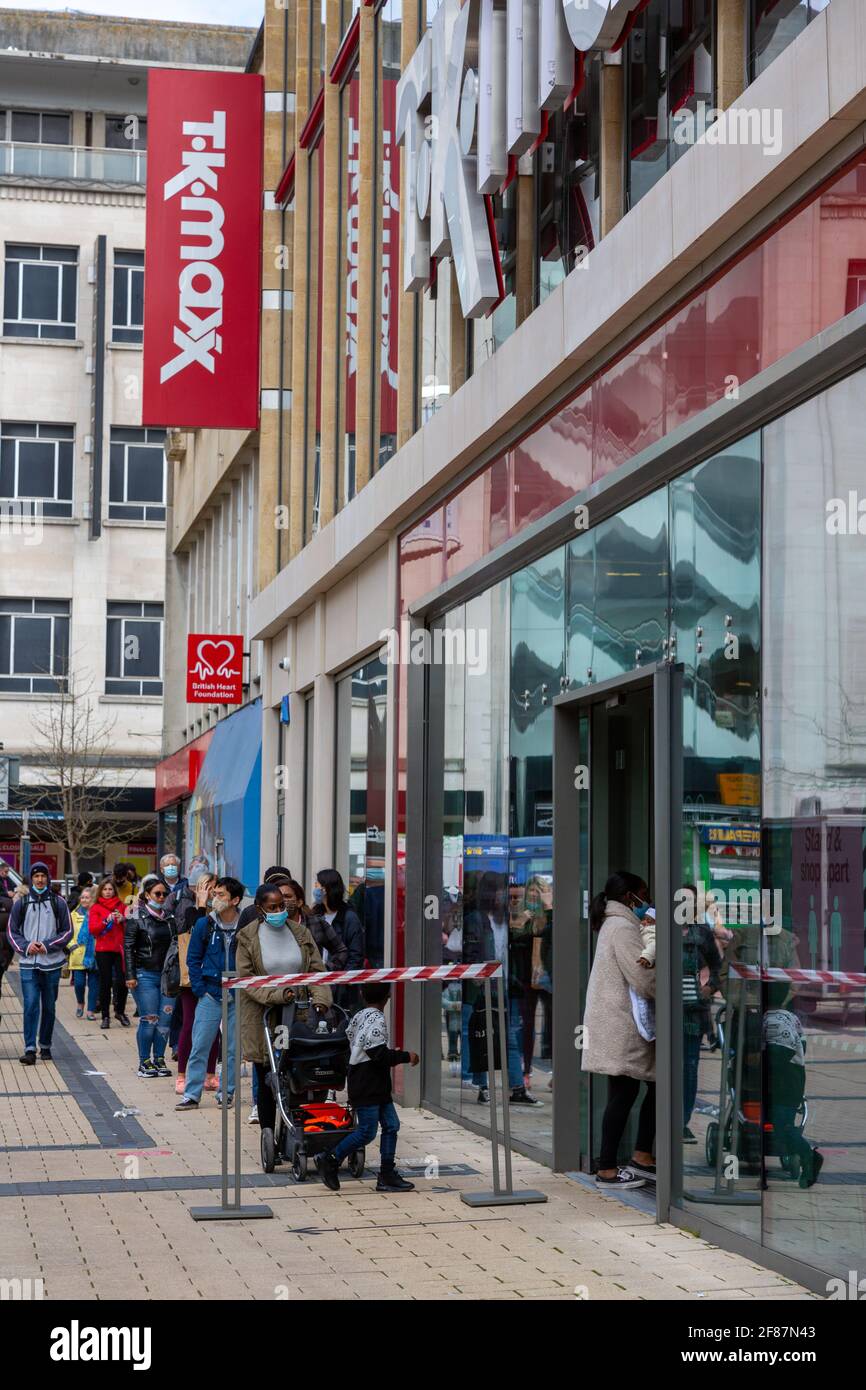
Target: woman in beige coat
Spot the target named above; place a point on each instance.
(272, 945)
(613, 1045)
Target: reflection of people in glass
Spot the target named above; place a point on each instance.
(539, 901)
(486, 937)
(524, 928)
(613, 1046)
(813, 932)
(836, 935)
(785, 1046)
(701, 965)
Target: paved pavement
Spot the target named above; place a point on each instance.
(96, 1204)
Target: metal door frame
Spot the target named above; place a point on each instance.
(665, 681)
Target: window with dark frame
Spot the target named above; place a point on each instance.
(568, 201)
(126, 132)
(36, 466)
(127, 318)
(36, 127)
(34, 646)
(773, 25)
(40, 291)
(136, 482)
(133, 649)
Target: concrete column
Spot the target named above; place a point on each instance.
(731, 74)
(612, 144)
(368, 213)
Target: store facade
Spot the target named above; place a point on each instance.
(599, 609)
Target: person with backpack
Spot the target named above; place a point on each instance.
(148, 935)
(7, 894)
(106, 920)
(39, 929)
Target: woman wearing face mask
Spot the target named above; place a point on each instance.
(330, 945)
(201, 904)
(329, 903)
(272, 945)
(147, 937)
(106, 922)
(82, 957)
(613, 1046)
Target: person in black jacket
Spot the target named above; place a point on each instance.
(7, 893)
(369, 1082)
(329, 898)
(83, 881)
(148, 933)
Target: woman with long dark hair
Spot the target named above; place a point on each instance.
(329, 899)
(106, 922)
(613, 1045)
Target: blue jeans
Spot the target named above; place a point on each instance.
(205, 1026)
(370, 1118)
(155, 1010)
(90, 980)
(39, 993)
(514, 1027)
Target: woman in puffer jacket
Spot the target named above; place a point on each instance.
(106, 920)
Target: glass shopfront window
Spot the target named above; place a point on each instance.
(669, 73)
(360, 819)
(814, 793)
(568, 202)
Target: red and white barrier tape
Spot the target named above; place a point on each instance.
(806, 977)
(489, 970)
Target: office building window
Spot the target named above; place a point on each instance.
(127, 320)
(36, 127)
(568, 203)
(136, 489)
(40, 291)
(133, 649)
(34, 645)
(775, 24)
(36, 466)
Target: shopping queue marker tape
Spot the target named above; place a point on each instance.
(806, 977)
(488, 970)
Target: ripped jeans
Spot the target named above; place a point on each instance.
(155, 1011)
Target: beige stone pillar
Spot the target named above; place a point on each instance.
(731, 75)
(368, 213)
(612, 144)
(409, 304)
(333, 272)
(524, 273)
(300, 286)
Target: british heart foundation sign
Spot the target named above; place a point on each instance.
(214, 669)
(202, 284)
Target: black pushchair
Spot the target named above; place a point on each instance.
(745, 1125)
(302, 1075)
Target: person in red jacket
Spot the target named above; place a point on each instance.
(106, 921)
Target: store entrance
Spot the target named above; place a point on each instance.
(613, 784)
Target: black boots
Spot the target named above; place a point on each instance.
(391, 1181)
(329, 1169)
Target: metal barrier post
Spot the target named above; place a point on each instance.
(231, 1211)
(498, 1198)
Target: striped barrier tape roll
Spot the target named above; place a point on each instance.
(488, 970)
(807, 977)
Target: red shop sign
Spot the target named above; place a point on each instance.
(214, 669)
(202, 286)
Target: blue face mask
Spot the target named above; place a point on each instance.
(170, 871)
(276, 919)
(43, 889)
(318, 895)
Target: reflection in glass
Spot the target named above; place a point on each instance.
(815, 809)
(360, 827)
(715, 591)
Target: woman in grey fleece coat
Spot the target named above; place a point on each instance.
(613, 1046)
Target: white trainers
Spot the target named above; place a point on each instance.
(253, 1117)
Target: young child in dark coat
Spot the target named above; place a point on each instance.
(369, 1079)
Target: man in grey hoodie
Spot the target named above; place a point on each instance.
(38, 930)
